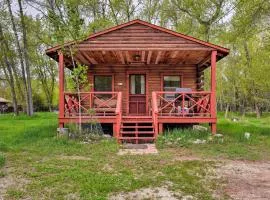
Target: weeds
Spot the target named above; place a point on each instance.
(2, 160)
(181, 137)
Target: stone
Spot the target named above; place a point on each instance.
(218, 135)
(187, 197)
(199, 128)
(107, 136)
(235, 119)
(198, 141)
(247, 135)
(62, 131)
(138, 149)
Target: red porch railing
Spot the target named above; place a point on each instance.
(92, 103)
(181, 104)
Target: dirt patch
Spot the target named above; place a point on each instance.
(73, 158)
(246, 180)
(156, 193)
(138, 149)
(11, 182)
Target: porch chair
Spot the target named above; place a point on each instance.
(105, 107)
(71, 105)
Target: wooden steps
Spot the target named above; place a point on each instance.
(137, 129)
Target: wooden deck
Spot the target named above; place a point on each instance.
(165, 107)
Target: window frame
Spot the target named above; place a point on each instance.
(102, 74)
(130, 90)
(170, 74)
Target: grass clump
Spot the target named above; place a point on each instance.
(232, 144)
(2, 160)
(14, 193)
(181, 137)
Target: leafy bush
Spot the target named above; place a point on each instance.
(89, 132)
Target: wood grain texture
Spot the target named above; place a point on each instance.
(154, 80)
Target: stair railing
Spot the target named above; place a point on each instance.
(155, 113)
(118, 112)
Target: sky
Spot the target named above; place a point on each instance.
(29, 10)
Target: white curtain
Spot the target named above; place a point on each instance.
(132, 85)
(142, 84)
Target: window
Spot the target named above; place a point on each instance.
(137, 84)
(170, 83)
(103, 83)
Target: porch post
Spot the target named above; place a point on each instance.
(160, 128)
(213, 91)
(61, 88)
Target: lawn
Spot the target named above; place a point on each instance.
(35, 164)
(234, 144)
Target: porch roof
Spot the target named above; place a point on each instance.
(139, 42)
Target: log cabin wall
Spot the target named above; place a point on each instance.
(154, 77)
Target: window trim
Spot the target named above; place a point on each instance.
(102, 74)
(170, 74)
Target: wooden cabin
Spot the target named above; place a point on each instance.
(4, 105)
(143, 76)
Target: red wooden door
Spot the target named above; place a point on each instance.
(137, 94)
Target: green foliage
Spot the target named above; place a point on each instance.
(233, 144)
(14, 193)
(2, 160)
(181, 137)
(78, 79)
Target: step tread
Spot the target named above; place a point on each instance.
(136, 116)
(143, 138)
(134, 122)
(137, 126)
(133, 132)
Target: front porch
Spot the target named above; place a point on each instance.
(164, 107)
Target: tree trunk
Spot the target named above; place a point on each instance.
(113, 12)
(258, 111)
(10, 79)
(8, 73)
(26, 58)
(226, 111)
(19, 50)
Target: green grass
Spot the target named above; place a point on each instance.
(2, 160)
(57, 168)
(54, 168)
(234, 145)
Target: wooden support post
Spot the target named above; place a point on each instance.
(213, 90)
(61, 87)
(160, 128)
(115, 131)
(213, 128)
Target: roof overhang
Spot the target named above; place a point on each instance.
(170, 51)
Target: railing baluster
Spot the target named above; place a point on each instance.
(198, 103)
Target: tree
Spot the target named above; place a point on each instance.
(8, 69)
